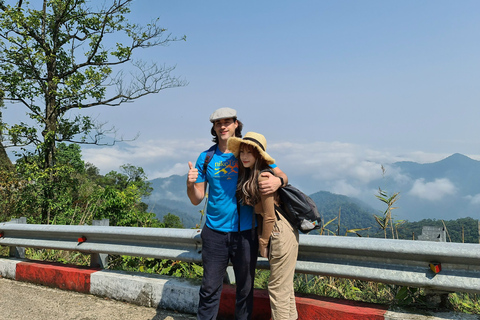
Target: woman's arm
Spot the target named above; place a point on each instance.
(268, 208)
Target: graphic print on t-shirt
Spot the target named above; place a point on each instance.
(226, 168)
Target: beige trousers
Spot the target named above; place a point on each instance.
(283, 258)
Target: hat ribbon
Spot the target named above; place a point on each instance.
(256, 141)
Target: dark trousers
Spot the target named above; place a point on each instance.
(241, 248)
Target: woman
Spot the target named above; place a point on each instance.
(278, 240)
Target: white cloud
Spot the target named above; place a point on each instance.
(424, 157)
(474, 200)
(343, 187)
(159, 158)
(338, 167)
(434, 190)
(106, 159)
(177, 169)
(398, 177)
(341, 166)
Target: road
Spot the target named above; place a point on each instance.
(21, 301)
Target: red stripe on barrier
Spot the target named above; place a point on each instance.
(57, 275)
(261, 304)
(316, 307)
(308, 307)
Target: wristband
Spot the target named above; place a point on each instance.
(281, 180)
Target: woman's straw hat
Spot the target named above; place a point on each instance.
(251, 138)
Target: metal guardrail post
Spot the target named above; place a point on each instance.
(435, 298)
(99, 260)
(18, 252)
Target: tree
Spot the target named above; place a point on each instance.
(65, 56)
(68, 190)
(81, 193)
(5, 162)
(130, 175)
(172, 221)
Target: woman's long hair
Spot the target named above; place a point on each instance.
(247, 185)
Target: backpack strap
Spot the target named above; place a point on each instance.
(238, 213)
(208, 157)
(268, 170)
(210, 152)
(283, 214)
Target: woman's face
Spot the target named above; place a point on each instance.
(247, 156)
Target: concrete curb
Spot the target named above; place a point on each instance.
(182, 295)
(55, 275)
(137, 288)
(146, 290)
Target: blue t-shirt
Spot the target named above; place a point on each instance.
(222, 175)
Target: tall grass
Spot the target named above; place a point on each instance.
(373, 292)
(465, 302)
(60, 256)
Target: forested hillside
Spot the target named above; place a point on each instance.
(349, 213)
(355, 215)
(178, 208)
(455, 228)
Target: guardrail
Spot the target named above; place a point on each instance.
(437, 266)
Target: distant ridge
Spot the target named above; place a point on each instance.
(458, 168)
(447, 189)
(169, 196)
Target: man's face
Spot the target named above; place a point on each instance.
(225, 128)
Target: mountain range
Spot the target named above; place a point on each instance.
(448, 189)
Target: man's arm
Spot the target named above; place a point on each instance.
(273, 182)
(195, 191)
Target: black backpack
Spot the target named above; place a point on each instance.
(299, 209)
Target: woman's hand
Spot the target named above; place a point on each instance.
(264, 252)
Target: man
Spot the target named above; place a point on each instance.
(227, 234)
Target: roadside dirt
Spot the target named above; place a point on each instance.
(20, 300)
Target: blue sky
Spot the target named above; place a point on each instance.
(337, 87)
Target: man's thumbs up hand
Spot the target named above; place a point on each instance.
(192, 174)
